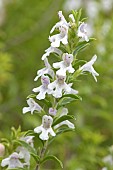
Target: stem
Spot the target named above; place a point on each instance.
(42, 153)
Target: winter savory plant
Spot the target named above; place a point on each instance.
(49, 100)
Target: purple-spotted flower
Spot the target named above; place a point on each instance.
(51, 50)
(65, 65)
(88, 67)
(59, 86)
(65, 122)
(43, 89)
(45, 129)
(32, 106)
(82, 32)
(12, 161)
(46, 70)
(61, 37)
(62, 22)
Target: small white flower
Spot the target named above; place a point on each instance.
(51, 50)
(46, 70)
(82, 32)
(45, 129)
(61, 37)
(43, 89)
(66, 122)
(88, 67)
(52, 111)
(65, 65)
(28, 139)
(59, 86)
(32, 106)
(12, 161)
(23, 152)
(62, 22)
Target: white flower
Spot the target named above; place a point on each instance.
(46, 70)
(61, 37)
(82, 32)
(59, 86)
(45, 129)
(65, 65)
(88, 67)
(43, 89)
(51, 50)
(12, 161)
(32, 106)
(62, 22)
(28, 139)
(65, 122)
(23, 152)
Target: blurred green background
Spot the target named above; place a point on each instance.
(24, 31)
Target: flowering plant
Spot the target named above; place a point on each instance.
(50, 99)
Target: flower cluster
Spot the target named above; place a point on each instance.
(55, 77)
(57, 85)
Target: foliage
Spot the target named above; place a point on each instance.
(24, 43)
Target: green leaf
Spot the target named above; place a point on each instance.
(79, 15)
(46, 102)
(68, 98)
(62, 118)
(76, 97)
(64, 130)
(36, 157)
(78, 63)
(80, 47)
(52, 157)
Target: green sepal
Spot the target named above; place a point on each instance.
(31, 96)
(52, 157)
(62, 118)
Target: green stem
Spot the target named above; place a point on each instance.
(42, 153)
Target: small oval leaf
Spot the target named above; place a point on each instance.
(52, 157)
